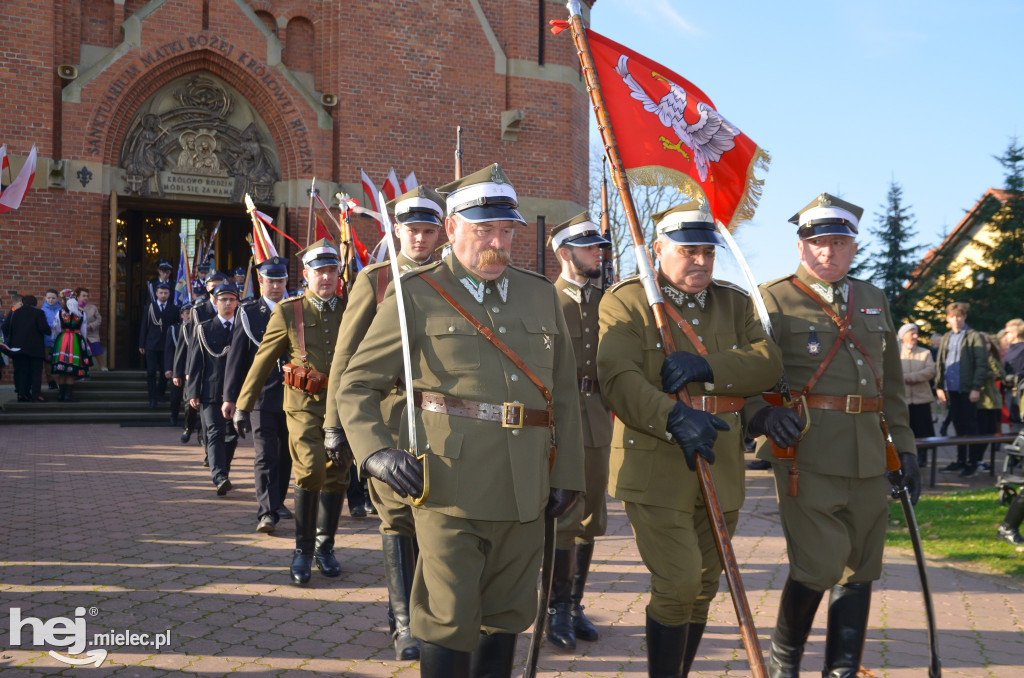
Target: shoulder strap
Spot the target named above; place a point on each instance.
(300, 329)
(687, 329)
(383, 278)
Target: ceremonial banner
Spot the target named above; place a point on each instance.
(409, 183)
(392, 189)
(11, 197)
(182, 286)
(671, 134)
(371, 197)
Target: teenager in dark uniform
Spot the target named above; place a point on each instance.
(157, 318)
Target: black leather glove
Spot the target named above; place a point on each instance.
(680, 368)
(242, 423)
(910, 478)
(781, 424)
(400, 470)
(559, 501)
(695, 431)
(337, 447)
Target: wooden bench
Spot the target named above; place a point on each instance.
(934, 442)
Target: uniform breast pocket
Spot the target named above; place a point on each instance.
(541, 335)
(874, 339)
(454, 344)
(809, 337)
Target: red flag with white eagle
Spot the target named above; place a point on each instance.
(11, 196)
(671, 134)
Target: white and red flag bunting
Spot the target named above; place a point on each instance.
(671, 134)
(371, 197)
(392, 187)
(11, 197)
(409, 183)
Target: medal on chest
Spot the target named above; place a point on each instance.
(813, 345)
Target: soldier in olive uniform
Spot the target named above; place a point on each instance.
(483, 426)
(419, 214)
(578, 245)
(272, 463)
(835, 525)
(724, 356)
(320, 481)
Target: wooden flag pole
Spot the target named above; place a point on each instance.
(646, 267)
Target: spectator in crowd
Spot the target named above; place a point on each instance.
(963, 370)
(990, 405)
(918, 371)
(51, 307)
(93, 321)
(26, 329)
(70, 358)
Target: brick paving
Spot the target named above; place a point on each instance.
(124, 522)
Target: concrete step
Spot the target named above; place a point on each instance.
(67, 416)
(126, 406)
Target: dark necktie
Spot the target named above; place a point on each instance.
(227, 326)
(161, 308)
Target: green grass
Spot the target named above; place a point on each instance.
(960, 526)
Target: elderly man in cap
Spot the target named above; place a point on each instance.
(723, 357)
(204, 386)
(302, 332)
(272, 462)
(419, 215)
(498, 427)
(842, 358)
(157, 317)
(578, 245)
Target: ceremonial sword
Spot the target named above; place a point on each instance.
(410, 411)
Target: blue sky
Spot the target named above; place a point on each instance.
(847, 97)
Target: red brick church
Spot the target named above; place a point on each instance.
(153, 119)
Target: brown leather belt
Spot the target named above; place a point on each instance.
(509, 415)
(589, 385)
(850, 404)
(718, 404)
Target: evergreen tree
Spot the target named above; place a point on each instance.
(892, 264)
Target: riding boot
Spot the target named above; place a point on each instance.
(493, 656)
(796, 615)
(560, 631)
(306, 503)
(665, 648)
(326, 528)
(582, 627)
(693, 637)
(848, 608)
(399, 564)
(441, 662)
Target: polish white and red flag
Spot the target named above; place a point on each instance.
(392, 188)
(409, 183)
(371, 199)
(11, 197)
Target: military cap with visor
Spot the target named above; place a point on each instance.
(321, 253)
(273, 268)
(163, 263)
(421, 205)
(226, 288)
(203, 267)
(485, 195)
(163, 286)
(688, 224)
(827, 215)
(216, 275)
(579, 231)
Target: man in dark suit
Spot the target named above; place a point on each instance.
(272, 461)
(163, 272)
(173, 340)
(159, 315)
(178, 360)
(24, 330)
(204, 387)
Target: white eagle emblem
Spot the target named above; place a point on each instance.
(708, 138)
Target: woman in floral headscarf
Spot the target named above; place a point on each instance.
(71, 358)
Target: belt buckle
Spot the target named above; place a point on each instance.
(512, 415)
(706, 401)
(586, 385)
(850, 399)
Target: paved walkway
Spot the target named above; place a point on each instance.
(124, 522)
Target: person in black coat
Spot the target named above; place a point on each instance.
(272, 461)
(159, 315)
(204, 387)
(163, 272)
(174, 338)
(24, 330)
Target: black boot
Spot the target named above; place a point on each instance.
(399, 563)
(560, 631)
(68, 397)
(693, 636)
(440, 662)
(326, 528)
(306, 503)
(493, 656)
(582, 627)
(848, 608)
(665, 648)
(61, 393)
(1009, 529)
(796, 615)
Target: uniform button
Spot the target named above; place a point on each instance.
(428, 446)
(734, 347)
(851, 345)
(692, 305)
(543, 329)
(451, 328)
(488, 290)
(326, 330)
(588, 345)
(658, 345)
(860, 362)
(696, 322)
(842, 306)
(501, 330)
(811, 328)
(863, 381)
(515, 431)
(700, 338)
(494, 309)
(514, 377)
(585, 329)
(588, 362)
(630, 442)
(584, 314)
